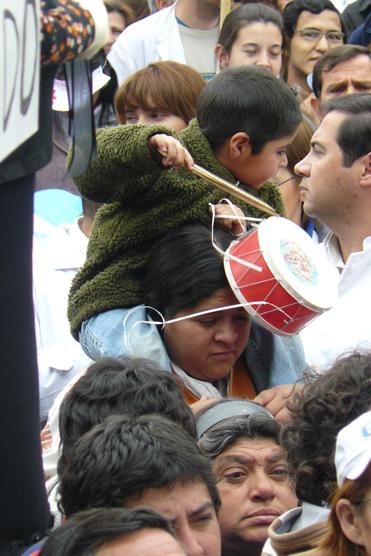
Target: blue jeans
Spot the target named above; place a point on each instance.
(271, 359)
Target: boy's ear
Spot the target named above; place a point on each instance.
(222, 56)
(365, 172)
(239, 145)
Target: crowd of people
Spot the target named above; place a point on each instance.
(147, 405)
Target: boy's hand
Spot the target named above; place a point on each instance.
(173, 153)
(235, 225)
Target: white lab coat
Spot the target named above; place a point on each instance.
(56, 259)
(149, 40)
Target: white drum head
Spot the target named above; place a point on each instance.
(297, 263)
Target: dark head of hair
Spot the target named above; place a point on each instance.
(330, 59)
(166, 85)
(228, 431)
(122, 8)
(327, 404)
(185, 268)
(293, 9)
(123, 456)
(131, 386)
(335, 541)
(354, 134)
(247, 99)
(137, 9)
(247, 15)
(87, 531)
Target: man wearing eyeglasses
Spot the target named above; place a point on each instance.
(312, 28)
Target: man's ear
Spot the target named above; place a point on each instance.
(222, 56)
(315, 105)
(239, 145)
(365, 174)
(348, 521)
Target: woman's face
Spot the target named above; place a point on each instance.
(208, 346)
(155, 116)
(258, 44)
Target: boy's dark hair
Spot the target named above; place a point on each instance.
(184, 268)
(123, 456)
(131, 386)
(293, 10)
(246, 15)
(354, 134)
(330, 59)
(325, 406)
(247, 99)
(86, 531)
(227, 432)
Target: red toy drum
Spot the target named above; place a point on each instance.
(295, 284)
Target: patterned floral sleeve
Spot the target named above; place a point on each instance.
(67, 30)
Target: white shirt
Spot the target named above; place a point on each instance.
(56, 260)
(347, 326)
(151, 39)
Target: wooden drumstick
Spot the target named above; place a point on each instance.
(228, 187)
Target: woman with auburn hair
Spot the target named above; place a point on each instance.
(161, 93)
(350, 518)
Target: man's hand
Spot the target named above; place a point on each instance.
(173, 153)
(235, 225)
(276, 398)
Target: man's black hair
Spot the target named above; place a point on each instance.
(122, 457)
(354, 134)
(132, 386)
(86, 532)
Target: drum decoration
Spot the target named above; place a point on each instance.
(296, 283)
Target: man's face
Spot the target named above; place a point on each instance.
(155, 542)
(254, 489)
(328, 189)
(304, 53)
(350, 77)
(189, 508)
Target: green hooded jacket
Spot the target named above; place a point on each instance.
(144, 202)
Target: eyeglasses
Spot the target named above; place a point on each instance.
(315, 35)
(286, 180)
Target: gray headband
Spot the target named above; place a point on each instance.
(232, 408)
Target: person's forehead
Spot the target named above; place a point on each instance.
(252, 450)
(265, 30)
(325, 21)
(359, 67)
(328, 128)
(175, 499)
